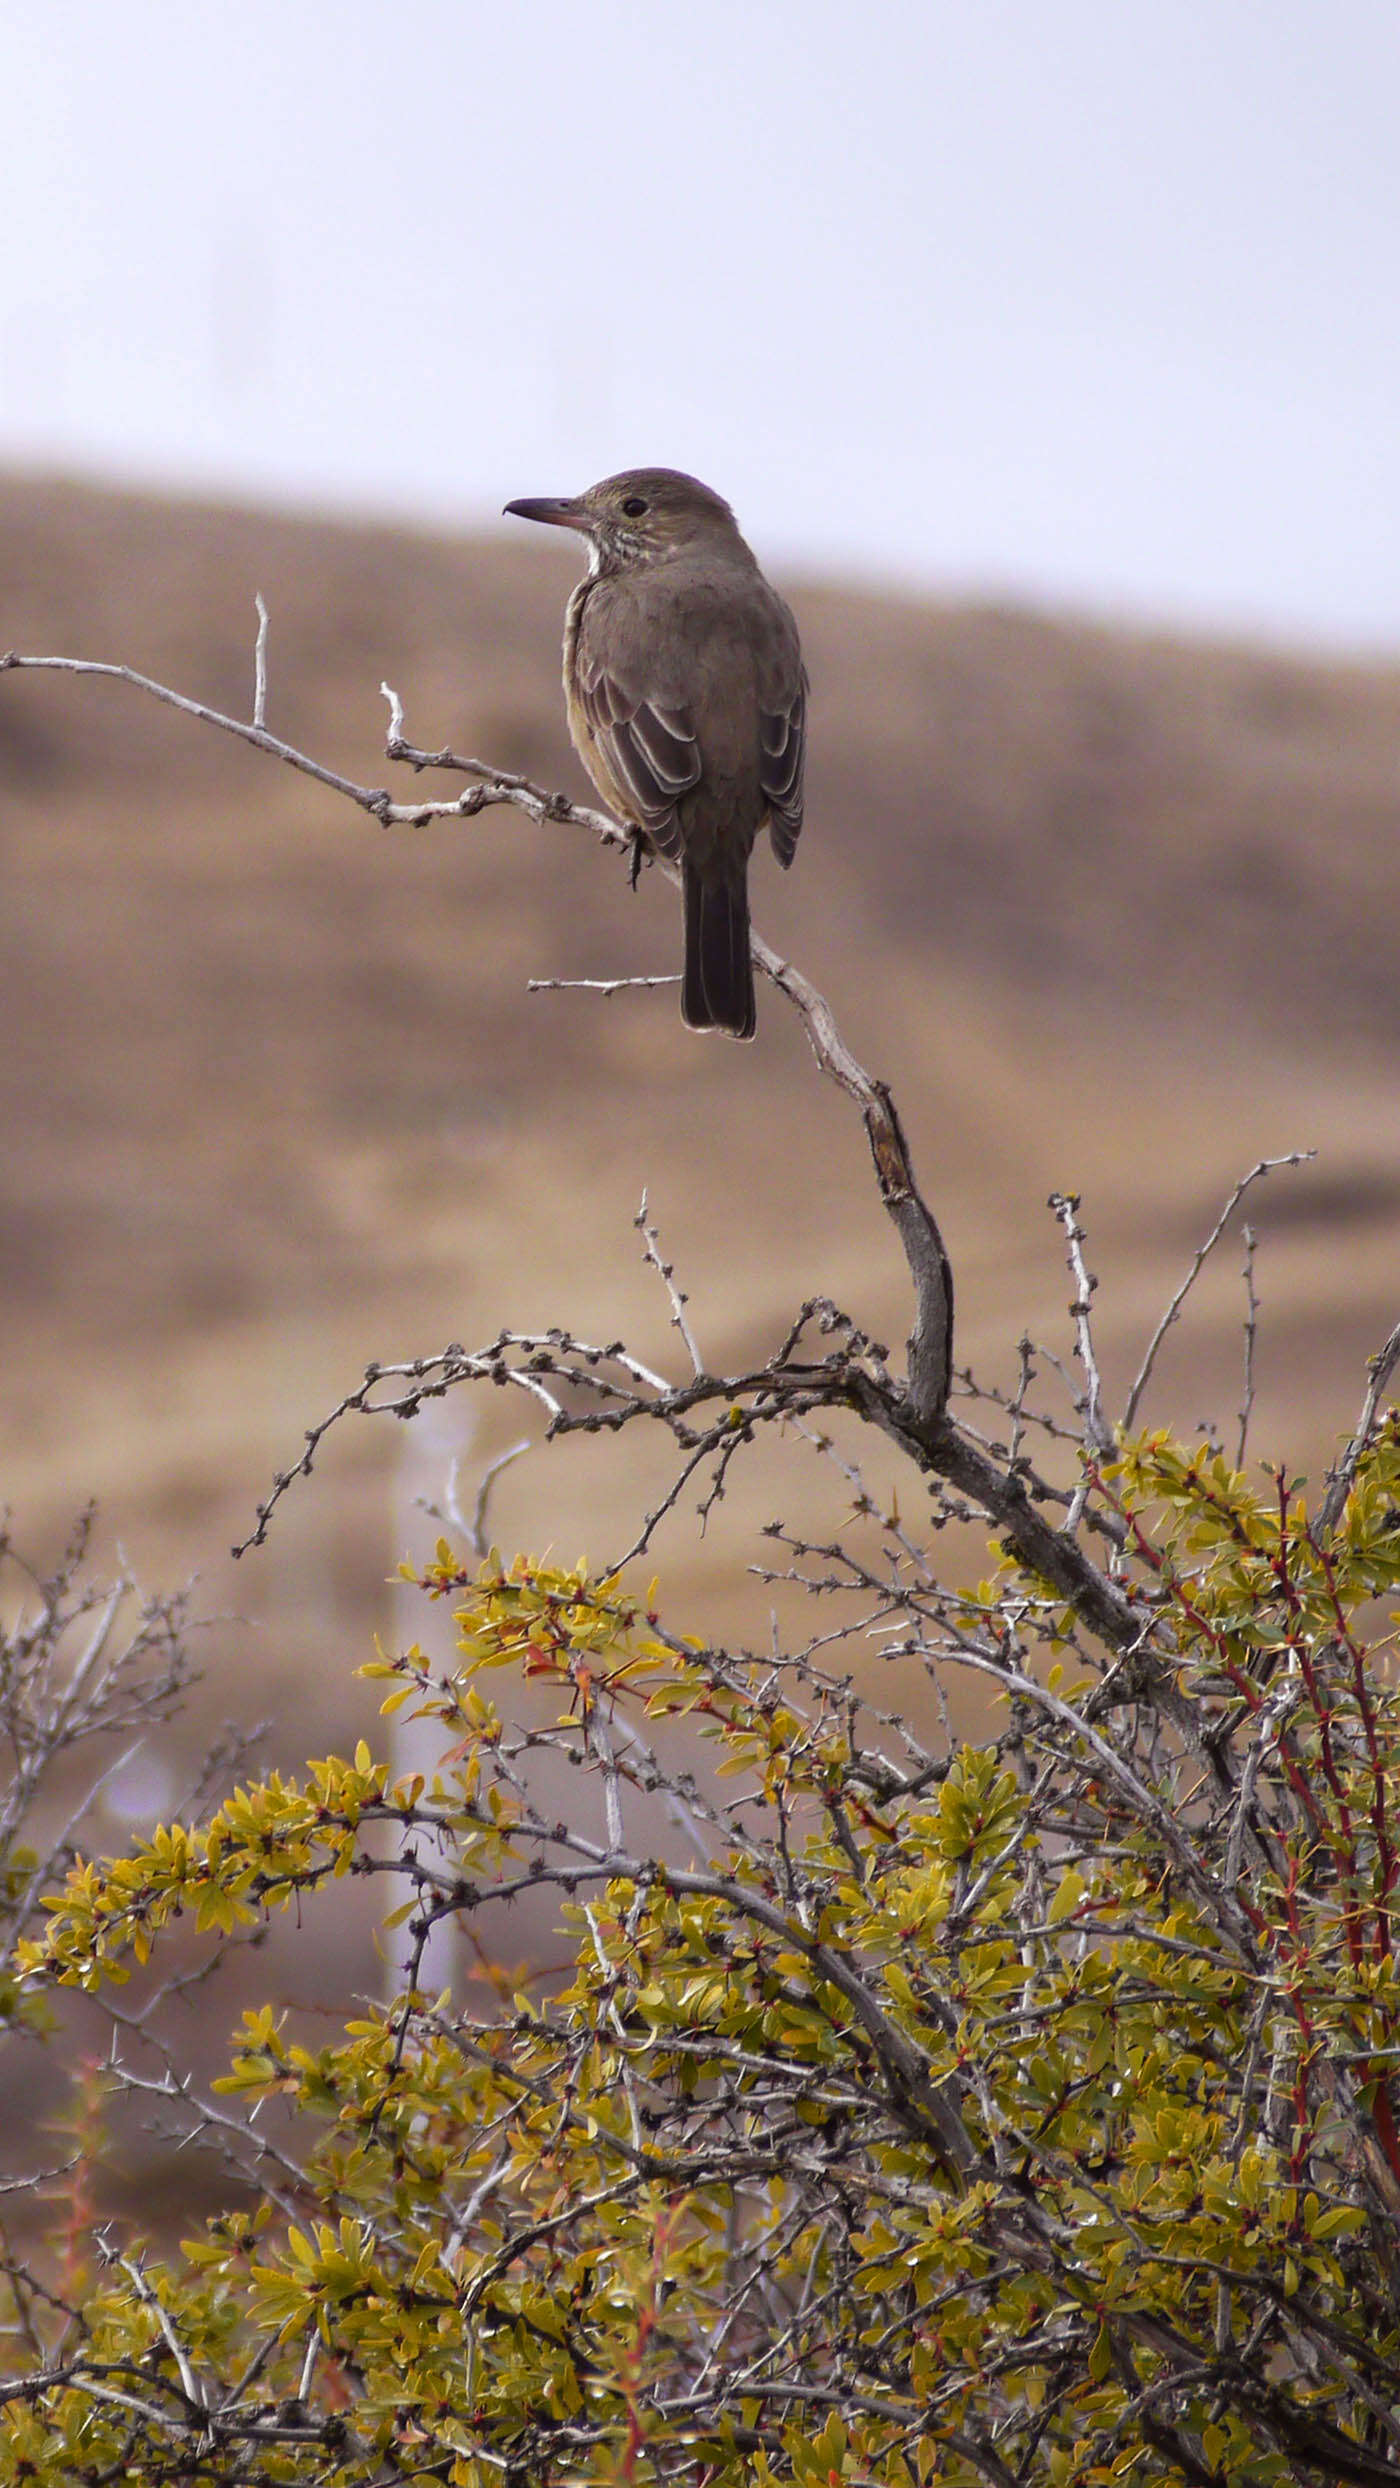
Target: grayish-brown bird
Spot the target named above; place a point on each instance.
(686, 698)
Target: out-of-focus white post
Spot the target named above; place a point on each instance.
(434, 1448)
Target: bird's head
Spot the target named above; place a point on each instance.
(638, 516)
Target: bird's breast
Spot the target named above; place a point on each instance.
(581, 733)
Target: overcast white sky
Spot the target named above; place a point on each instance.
(1095, 301)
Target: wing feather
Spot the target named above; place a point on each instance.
(638, 638)
(651, 750)
(782, 760)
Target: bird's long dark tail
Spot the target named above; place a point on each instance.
(718, 987)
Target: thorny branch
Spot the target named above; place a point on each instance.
(930, 1346)
(601, 1387)
(878, 2116)
(914, 1411)
(863, 2109)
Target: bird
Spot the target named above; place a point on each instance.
(686, 698)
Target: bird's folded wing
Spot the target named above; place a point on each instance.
(651, 750)
(782, 730)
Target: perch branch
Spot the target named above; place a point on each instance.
(914, 1414)
(931, 1341)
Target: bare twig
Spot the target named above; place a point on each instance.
(604, 985)
(1098, 1435)
(652, 1244)
(189, 2382)
(1266, 1166)
(931, 1339)
(1016, 1405)
(1380, 1368)
(496, 788)
(472, 1531)
(1251, 1332)
(260, 667)
(506, 1459)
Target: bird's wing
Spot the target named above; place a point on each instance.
(649, 744)
(640, 641)
(782, 729)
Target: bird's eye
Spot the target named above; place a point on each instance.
(635, 508)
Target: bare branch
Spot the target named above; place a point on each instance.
(931, 1340)
(1251, 1332)
(1098, 1435)
(914, 1415)
(605, 985)
(1380, 1368)
(496, 788)
(260, 666)
(1266, 1166)
(479, 1542)
(652, 1242)
(872, 1965)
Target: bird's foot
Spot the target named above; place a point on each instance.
(639, 849)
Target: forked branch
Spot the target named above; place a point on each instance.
(567, 1377)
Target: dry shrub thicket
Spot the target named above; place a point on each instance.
(917, 2105)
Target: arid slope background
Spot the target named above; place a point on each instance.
(1113, 913)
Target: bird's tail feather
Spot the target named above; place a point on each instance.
(717, 991)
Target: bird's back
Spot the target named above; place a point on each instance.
(697, 635)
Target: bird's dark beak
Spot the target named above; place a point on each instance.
(550, 512)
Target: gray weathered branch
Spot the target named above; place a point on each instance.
(914, 1414)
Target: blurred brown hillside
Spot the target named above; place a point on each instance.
(1112, 912)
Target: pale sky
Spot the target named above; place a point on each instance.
(1091, 302)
